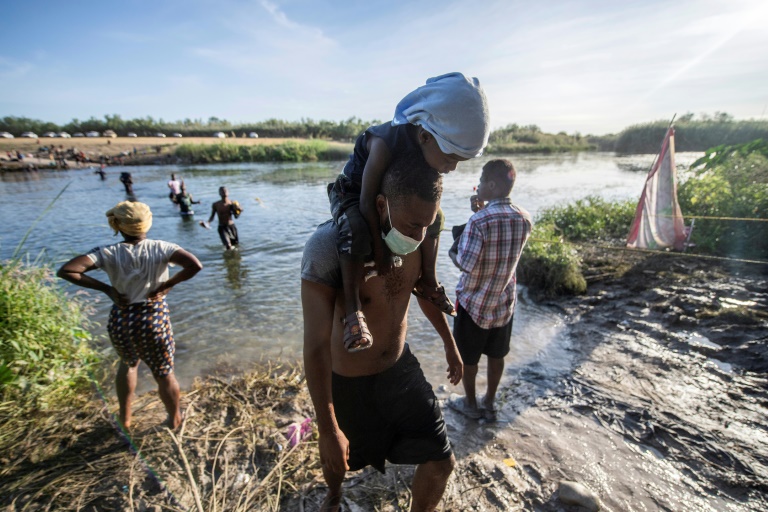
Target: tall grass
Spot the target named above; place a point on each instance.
(592, 218)
(290, 151)
(530, 139)
(550, 266)
(45, 354)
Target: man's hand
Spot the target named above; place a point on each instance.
(334, 451)
(455, 364)
(118, 298)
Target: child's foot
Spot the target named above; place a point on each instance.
(436, 295)
(357, 337)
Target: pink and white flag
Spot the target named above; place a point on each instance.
(658, 220)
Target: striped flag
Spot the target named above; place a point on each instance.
(658, 220)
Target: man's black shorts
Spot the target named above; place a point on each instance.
(393, 415)
(474, 341)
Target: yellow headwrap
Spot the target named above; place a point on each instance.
(130, 217)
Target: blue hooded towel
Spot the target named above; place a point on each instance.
(451, 107)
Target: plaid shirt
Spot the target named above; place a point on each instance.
(489, 250)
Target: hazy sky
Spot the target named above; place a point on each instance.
(587, 66)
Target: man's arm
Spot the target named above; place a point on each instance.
(317, 302)
(213, 213)
(440, 323)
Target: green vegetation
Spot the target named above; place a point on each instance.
(530, 139)
(729, 181)
(346, 130)
(290, 151)
(45, 356)
(690, 134)
(549, 265)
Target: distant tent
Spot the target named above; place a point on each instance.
(658, 220)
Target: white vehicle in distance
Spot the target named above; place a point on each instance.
(178, 135)
(220, 135)
(64, 135)
(6, 135)
(253, 135)
(160, 135)
(29, 135)
(93, 134)
(49, 134)
(131, 134)
(109, 133)
(78, 134)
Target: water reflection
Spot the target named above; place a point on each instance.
(236, 274)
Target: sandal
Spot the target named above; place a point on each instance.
(437, 297)
(357, 337)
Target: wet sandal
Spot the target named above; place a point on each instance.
(437, 297)
(357, 337)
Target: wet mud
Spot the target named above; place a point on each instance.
(663, 407)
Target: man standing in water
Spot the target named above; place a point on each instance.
(376, 405)
(226, 209)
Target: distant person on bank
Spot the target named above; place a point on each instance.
(487, 254)
(139, 324)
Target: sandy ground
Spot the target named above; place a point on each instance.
(659, 404)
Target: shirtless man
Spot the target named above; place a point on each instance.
(223, 208)
(376, 404)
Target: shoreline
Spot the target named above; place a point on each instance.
(642, 415)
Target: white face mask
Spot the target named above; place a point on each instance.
(397, 242)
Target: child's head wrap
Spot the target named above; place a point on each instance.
(130, 217)
(451, 107)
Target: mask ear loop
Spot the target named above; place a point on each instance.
(398, 261)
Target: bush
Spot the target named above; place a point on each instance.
(550, 266)
(290, 151)
(44, 352)
(729, 181)
(592, 218)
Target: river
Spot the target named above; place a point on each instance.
(244, 306)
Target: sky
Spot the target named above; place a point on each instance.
(575, 66)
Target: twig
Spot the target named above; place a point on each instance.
(212, 502)
(189, 472)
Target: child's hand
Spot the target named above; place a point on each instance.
(475, 203)
(388, 262)
(118, 298)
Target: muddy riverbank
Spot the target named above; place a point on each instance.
(661, 407)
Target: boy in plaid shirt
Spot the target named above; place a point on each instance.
(488, 252)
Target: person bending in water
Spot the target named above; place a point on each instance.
(226, 209)
(139, 323)
(376, 405)
(447, 121)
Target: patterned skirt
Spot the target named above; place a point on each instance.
(143, 332)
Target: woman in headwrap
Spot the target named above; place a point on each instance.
(446, 120)
(139, 324)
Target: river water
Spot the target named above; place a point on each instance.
(244, 306)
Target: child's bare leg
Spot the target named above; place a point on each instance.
(125, 384)
(428, 286)
(429, 249)
(356, 334)
(351, 273)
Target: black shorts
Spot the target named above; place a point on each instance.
(474, 341)
(228, 235)
(392, 415)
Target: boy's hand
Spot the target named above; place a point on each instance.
(118, 298)
(475, 203)
(159, 293)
